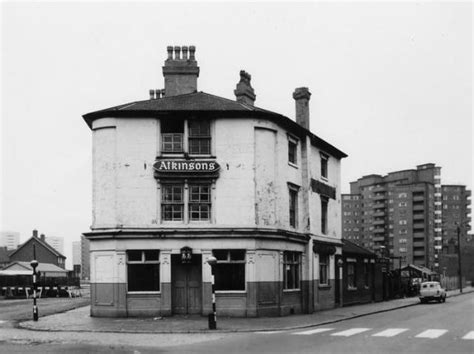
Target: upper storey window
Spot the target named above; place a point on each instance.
(176, 139)
(199, 137)
(324, 165)
(172, 136)
(292, 151)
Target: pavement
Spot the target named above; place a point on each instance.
(79, 320)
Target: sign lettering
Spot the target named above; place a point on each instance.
(191, 166)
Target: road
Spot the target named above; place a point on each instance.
(424, 328)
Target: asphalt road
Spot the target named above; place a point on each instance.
(424, 328)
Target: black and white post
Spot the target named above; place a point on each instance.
(34, 264)
(212, 316)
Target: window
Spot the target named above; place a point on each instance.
(199, 137)
(323, 269)
(143, 270)
(199, 202)
(366, 274)
(229, 272)
(324, 215)
(402, 204)
(351, 275)
(291, 271)
(293, 208)
(402, 195)
(402, 250)
(402, 222)
(402, 240)
(324, 165)
(292, 151)
(172, 132)
(172, 202)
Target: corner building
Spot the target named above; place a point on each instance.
(185, 175)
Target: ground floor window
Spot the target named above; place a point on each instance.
(351, 275)
(143, 270)
(229, 272)
(291, 270)
(323, 269)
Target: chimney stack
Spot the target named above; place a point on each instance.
(42, 237)
(152, 94)
(244, 92)
(35, 233)
(180, 72)
(301, 96)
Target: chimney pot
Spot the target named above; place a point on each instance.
(170, 52)
(162, 92)
(152, 94)
(177, 53)
(35, 233)
(185, 52)
(42, 237)
(157, 94)
(192, 50)
(301, 97)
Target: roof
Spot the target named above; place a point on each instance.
(4, 255)
(201, 103)
(42, 267)
(350, 247)
(419, 268)
(41, 242)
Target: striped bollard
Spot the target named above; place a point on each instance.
(34, 264)
(212, 316)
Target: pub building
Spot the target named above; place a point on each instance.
(186, 175)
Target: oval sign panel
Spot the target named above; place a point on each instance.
(186, 166)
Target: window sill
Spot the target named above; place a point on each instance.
(351, 289)
(293, 164)
(291, 290)
(324, 286)
(143, 292)
(231, 292)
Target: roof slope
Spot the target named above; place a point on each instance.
(350, 247)
(211, 105)
(40, 241)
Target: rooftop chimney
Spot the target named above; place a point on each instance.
(301, 96)
(244, 91)
(180, 72)
(42, 237)
(35, 233)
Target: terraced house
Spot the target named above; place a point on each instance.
(185, 175)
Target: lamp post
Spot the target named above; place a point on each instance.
(34, 264)
(212, 316)
(459, 257)
(340, 263)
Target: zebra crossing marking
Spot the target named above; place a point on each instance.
(268, 332)
(431, 333)
(313, 331)
(469, 335)
(390, 332)
(350, 332)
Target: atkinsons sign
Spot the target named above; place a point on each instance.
(185, 166)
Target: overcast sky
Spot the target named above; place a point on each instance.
(391, 85)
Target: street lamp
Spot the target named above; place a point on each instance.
(34, 264)
(212, 261)
(340, 263)
(458, 228)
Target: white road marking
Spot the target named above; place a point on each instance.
(268, 332)
(470, 335)
(431, 333)
(313, 331)
(351, 332)
(391, 332)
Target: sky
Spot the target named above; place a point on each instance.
(391, 85)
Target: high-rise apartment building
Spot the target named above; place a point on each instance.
(456, 213)
(56, 242)
(9, 239)
(85, 259)
(76, 253)
(398, 215)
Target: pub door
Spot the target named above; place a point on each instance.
(186, 280)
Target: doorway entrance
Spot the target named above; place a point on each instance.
(186, 280)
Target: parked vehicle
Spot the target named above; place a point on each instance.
(432, 290)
